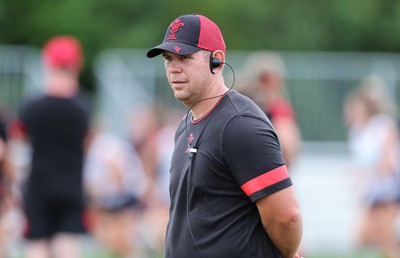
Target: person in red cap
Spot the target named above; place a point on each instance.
(56, 125)
(231, 194)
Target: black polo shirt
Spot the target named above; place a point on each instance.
(234, 160)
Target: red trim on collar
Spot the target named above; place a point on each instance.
(206, 114)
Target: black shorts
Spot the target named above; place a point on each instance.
(49, 214)
(117, 204)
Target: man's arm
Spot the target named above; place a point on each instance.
(281, 217)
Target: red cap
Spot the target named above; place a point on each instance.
(63, 51)
(188, 34)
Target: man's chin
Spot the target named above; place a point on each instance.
(184, 99)
(180, 97)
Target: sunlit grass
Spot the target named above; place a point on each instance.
(94, 250)
(360, 254)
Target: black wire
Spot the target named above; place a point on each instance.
(188, 222)
(197, 102)
(187, 191)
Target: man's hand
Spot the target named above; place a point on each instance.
(298, 256)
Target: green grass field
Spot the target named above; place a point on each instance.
(92, 250)
(364, 254)
(103, 254)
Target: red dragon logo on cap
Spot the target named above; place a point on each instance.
(174, 28)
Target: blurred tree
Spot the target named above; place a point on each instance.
(340, 25)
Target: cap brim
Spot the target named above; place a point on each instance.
(173, 47)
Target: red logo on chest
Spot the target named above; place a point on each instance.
(190, 140)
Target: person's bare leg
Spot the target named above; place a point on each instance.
(65, 245)
(365, 235)
(386, 219)
(37, 249)
(2, 235)
(120, 232)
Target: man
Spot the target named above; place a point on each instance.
(231, 195)
(56, 125)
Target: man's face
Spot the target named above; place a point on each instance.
(188, 75)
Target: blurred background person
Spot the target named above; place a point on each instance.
(265, 75)
(14, 167)
(144, 125)
(5, 187)
(373, 136)
(115, 182)
(56, 125)
(152, 131)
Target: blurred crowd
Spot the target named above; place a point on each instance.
(123, 181)
(125, 184)
(63, 177)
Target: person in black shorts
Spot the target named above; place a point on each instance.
(231, 195)
(56, 125)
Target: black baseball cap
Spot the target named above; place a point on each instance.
(188, 34)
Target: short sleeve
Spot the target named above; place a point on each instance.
(252, 151)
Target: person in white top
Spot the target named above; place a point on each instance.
(115, 182)
(373, 137)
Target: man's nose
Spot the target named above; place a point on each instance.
(175, 66)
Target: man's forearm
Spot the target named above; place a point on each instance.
(287, 236)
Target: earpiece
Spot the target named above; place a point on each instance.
(214, 63)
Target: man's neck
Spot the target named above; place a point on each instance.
(206, 104)
(61, 85)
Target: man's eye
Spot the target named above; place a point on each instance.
(167, 58)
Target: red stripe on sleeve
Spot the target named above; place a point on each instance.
(267, 179)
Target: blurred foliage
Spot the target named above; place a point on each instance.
(337, 25)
